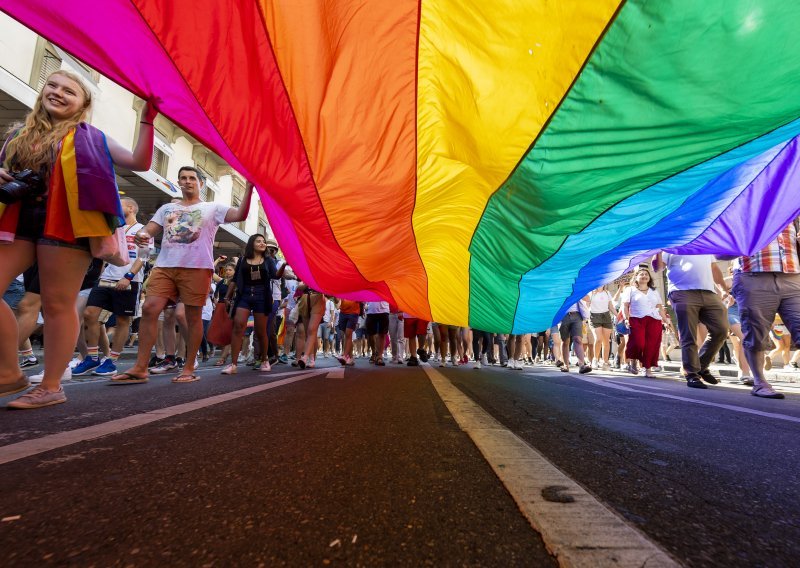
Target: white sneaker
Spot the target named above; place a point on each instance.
(606, 367)
(38, 377)
(476, 365)
(75, 361)
(485, 360)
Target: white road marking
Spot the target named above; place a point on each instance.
(641, 386)
(94, 379)
(576, 528)
(742, 409)
(27, 448)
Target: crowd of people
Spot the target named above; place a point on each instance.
(56, 232)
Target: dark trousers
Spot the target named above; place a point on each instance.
(693, 307)
(481, 342)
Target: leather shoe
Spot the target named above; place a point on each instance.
(708, 377)
(695, 383)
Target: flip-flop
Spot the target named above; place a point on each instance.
(19, 385)
(127, 379)
(185, 379)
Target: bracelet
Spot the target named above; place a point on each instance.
(130, 276)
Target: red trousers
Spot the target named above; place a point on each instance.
(644, 341)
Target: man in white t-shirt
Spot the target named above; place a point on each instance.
(117, 292)
(183, 269)
(694, 298)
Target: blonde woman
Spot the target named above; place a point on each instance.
(601, 322)
(40, 161)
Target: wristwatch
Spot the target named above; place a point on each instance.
(130, 276)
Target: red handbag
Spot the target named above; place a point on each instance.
(221, 327)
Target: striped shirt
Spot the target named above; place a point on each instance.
(781, 255)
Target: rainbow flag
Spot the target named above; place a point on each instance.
(476, 162)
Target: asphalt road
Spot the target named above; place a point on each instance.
(370, 469)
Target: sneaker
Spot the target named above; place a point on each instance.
(30, 361)
(632, 370)
(708, 377)
(86, 366)
(476, 365)
(518, 366)
(229, 370)
(106, 369)
(606, 367)
(155, 362)
(180, 362)
(442, 363)
(265, 367)
(283, 360)
(413, 362)
(75, 361)
(38, 398)
(594, 364)
(167, 366)
(485, 361)
(65, 376)
(423, 355)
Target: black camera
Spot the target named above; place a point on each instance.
(26, 183)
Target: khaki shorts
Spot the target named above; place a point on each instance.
(191, 285)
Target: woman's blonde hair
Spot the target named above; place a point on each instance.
(36, 145)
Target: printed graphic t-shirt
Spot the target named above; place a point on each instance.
(189, 232)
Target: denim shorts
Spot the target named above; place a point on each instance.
(733, 315)
(30, 227)
(14, 293)
(253, 298)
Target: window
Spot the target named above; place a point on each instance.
(160, 161)
(50, 62)
(262, 229)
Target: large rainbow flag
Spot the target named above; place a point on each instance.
(477, 162)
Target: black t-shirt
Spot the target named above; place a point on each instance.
(255, 274)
